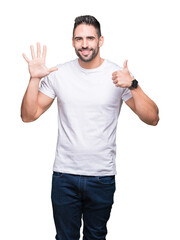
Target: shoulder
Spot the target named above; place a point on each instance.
(63, 69)
(66, 65)
(113, 66)
(116, 67)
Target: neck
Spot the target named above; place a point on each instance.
(95, 63)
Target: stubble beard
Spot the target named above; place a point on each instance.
(91, 57)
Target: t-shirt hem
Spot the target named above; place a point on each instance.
(85, 173)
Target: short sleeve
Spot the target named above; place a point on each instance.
(46, 87)
(126, 95)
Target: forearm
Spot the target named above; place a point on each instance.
(145, 108)
(30, 101)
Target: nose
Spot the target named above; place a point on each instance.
(84, 43)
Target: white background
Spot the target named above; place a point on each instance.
(147, 194)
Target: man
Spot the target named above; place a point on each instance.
(89, 91)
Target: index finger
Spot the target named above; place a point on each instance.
(114, 74)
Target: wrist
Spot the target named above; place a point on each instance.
(35, 79)
(134, 84)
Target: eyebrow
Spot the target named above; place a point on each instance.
(79, 37)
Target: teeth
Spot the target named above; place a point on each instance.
(85, 52)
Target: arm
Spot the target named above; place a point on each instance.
(144, 107)
(140, 103)
(34, 102)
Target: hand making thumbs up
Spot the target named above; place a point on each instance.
(122, 78)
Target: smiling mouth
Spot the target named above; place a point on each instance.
(85, 52)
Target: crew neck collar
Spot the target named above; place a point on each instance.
(90, 70)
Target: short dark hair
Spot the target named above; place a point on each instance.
(89, 20)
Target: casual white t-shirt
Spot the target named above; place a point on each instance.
(89, 104)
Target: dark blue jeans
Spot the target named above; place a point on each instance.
(76, 197)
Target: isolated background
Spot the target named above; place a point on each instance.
(147, 184)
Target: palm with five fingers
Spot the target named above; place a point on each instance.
(37, 66)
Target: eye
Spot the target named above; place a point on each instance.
(78, 39)
(91, 38)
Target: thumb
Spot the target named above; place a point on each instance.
(53, 69)
(125, 64)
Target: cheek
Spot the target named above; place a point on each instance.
(78, 45)
(75, 45)
(94, 45)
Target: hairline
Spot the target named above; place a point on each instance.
(90, 24)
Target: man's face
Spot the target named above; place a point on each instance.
(86, 42)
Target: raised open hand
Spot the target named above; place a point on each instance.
(37, 67)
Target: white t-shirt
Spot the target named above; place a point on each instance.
(89, 104)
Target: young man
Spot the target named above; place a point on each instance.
(90, 91)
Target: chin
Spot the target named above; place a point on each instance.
(89, 59)
(86, 60)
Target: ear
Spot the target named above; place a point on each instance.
(72, 41)
(101, 41)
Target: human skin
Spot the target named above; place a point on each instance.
(87, 46)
